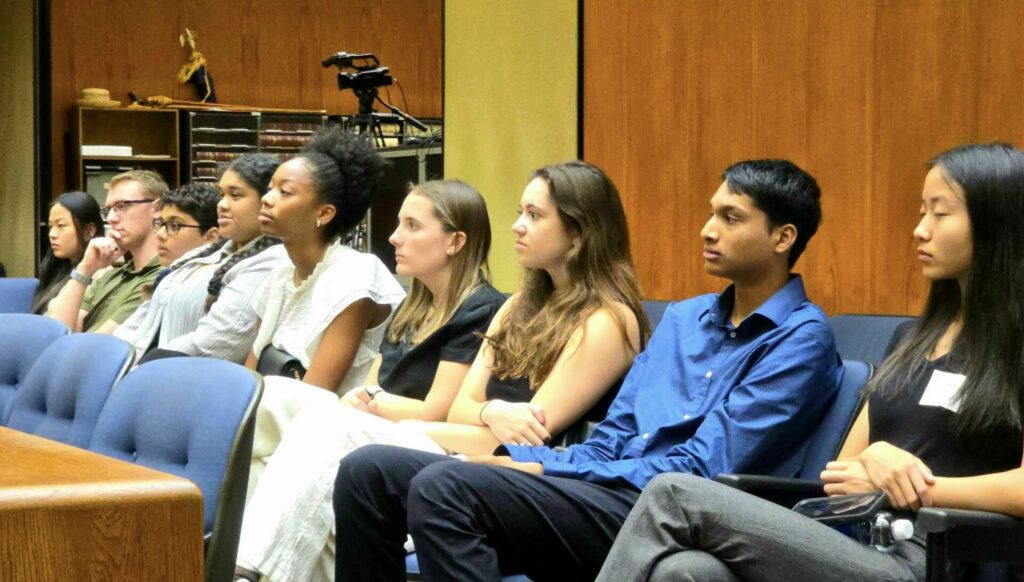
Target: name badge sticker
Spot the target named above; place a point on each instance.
(942, 390)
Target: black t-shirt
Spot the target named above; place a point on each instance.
(930, 432)
(409, 371)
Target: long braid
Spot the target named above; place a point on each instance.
(255, 170)
(217, 281)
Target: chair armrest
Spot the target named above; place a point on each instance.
(786, 491)
(960, 535)
(941, 519)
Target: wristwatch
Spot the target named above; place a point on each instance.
(373, 391)
(83, 279)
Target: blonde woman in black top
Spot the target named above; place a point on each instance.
(442, 243)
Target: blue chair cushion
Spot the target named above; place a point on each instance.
(64, 392)
(16, 294)
(23, 338)
(655, 309)
(829, 436)
(180, 416)
(865, 337)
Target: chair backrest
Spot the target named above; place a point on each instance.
(864, 337)
(16, 294)
(655, 309)
(828, 438)
(192, 417)
(64, 392)
(23, 338)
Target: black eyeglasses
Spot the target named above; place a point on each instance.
(173, 228)
(122, 205)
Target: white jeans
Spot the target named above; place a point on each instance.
(288, 528)
(283, 399)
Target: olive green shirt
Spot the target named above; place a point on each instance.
(116, 294)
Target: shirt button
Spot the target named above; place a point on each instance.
(708, 375)
(732, 334)
(686, 417)
(647, 435)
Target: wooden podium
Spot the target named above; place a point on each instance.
(70, 514)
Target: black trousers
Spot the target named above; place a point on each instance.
(469, 521)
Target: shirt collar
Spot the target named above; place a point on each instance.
(777, 308)
(153, 265)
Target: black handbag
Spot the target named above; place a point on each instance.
(277, 362)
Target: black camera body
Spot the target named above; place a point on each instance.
(369, 79)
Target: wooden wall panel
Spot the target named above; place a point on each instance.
(860, 93)
(263, 53)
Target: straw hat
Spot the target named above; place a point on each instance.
(94, 97)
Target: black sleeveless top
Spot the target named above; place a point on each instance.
(518, 390)
(408, 370)
(930, 432)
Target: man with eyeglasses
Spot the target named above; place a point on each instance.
(100, 305)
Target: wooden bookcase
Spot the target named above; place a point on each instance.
(151, 133)
(212, 139)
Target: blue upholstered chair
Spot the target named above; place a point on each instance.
(192, 417)
(655, 309)
(825, 443)
(63, 393)
(16, 294)
(23, 338)
(865, 337)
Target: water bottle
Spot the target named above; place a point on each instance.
(887, 530)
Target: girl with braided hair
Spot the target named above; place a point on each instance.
(222, 278)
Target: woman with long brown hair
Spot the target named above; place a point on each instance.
(551, 355)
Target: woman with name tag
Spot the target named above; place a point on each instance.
(941, 426)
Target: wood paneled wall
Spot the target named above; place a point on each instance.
(263, 53)
(860, 93)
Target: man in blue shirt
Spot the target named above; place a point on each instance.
(728, 383)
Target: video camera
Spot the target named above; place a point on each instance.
(368, 72)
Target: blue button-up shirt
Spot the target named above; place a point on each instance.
(706, 397)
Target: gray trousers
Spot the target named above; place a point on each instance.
(690, 528)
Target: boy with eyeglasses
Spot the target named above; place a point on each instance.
(101, 305)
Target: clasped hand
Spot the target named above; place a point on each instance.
(516, 423)
(904, 478)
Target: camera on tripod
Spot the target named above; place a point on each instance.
(368, 72)
(362, 73)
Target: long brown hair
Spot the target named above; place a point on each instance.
(460, 208)
(538, 325)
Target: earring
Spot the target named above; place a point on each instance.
(451, 252)
(318, 223)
